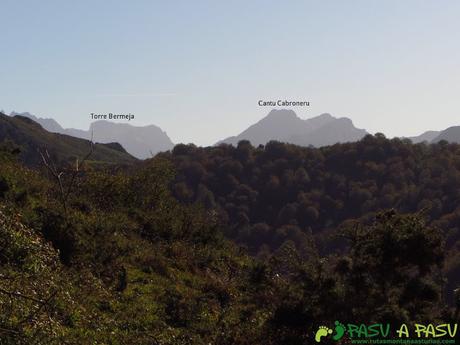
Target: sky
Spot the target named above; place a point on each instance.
(198, 68)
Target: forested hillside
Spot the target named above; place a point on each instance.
(268, 195)
(112, 257)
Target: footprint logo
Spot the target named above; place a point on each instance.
(322, 332)
(339, 331)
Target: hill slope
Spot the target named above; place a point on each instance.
(451, 134)
(31, 136)
(427, 136)
(139, 141)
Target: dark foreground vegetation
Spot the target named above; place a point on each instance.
(229, 245)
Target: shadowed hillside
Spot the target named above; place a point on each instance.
(31, 137)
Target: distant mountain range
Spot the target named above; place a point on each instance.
(286, 126)
(281, 125)
(427, 136)
(141, 142)
(451, 134)
(32, 137)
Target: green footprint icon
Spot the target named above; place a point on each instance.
(321, 332)
(339, 331)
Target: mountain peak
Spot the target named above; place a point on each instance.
(280, 115)
(284, 125)
(141, 142)
(281, 112)
(325, 116)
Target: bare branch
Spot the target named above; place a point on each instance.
(75, 172)
(18, 294)
(43, 304)
(59, 176)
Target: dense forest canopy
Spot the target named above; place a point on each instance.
(229, 245)
(278, 192)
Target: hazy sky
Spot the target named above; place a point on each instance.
(198, 68)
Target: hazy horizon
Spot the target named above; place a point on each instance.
(198, 70)
(230, 136)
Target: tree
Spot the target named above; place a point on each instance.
(394, 270)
